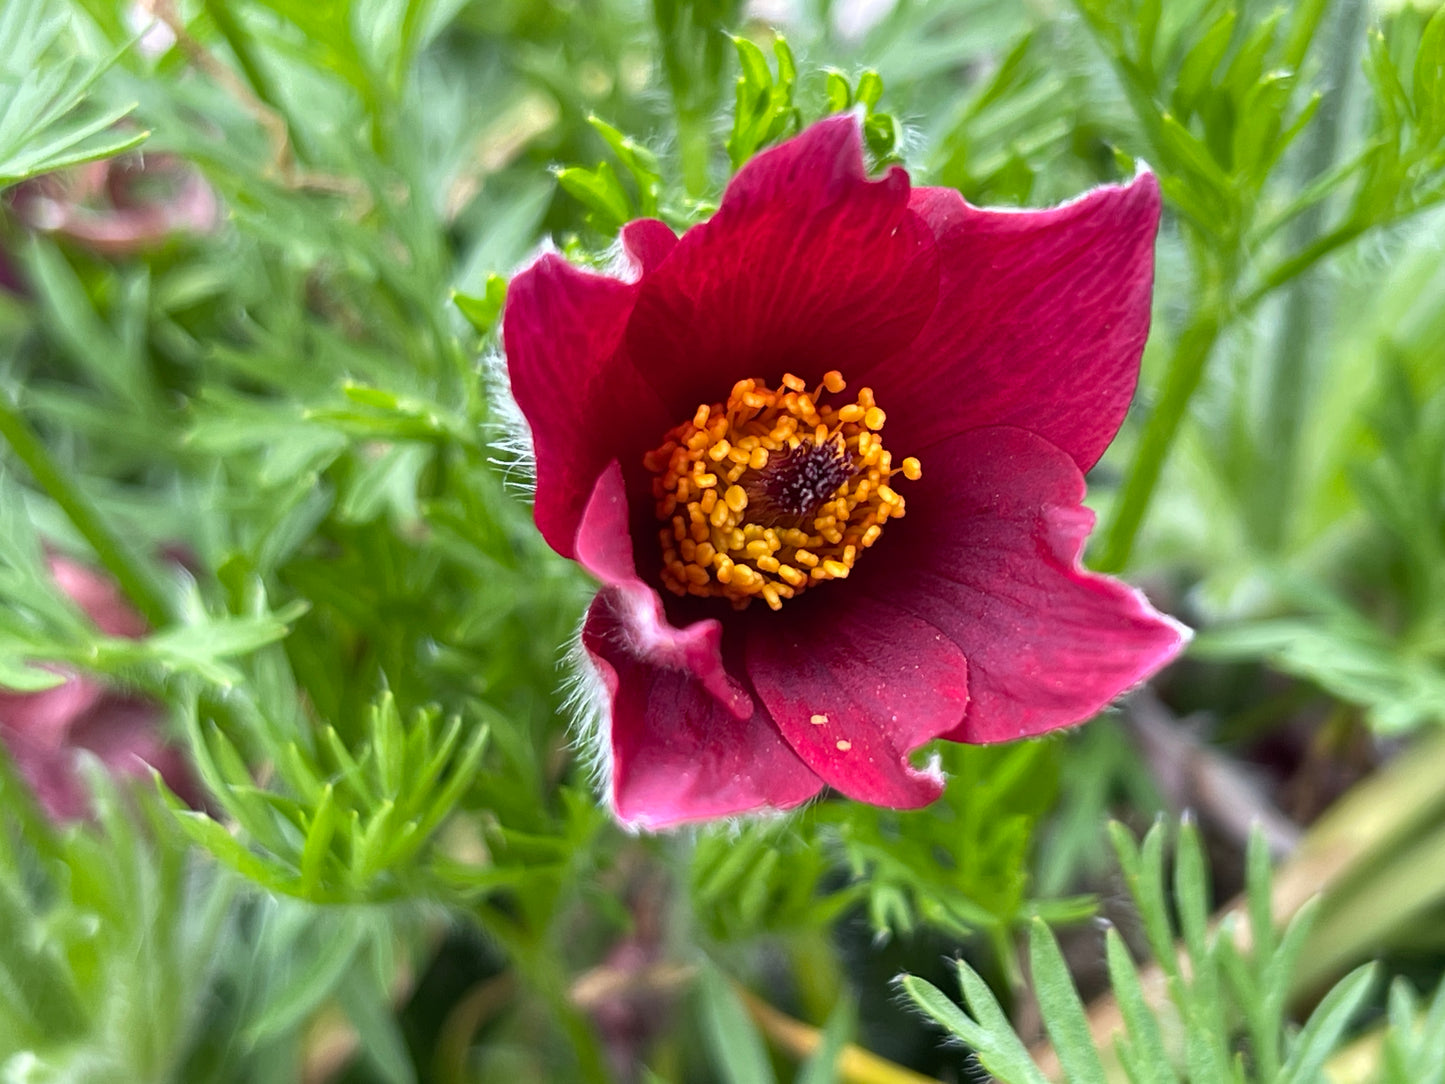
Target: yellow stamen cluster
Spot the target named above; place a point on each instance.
(773, 491)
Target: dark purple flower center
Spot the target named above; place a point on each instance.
(795, 482)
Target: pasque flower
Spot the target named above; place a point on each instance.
(44, 731)
(825, 454)
(120, 206)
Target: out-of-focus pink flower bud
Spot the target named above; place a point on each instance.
(44, 732)
(120, 206)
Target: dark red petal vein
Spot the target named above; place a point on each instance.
(1041, 319)
(989, 554)
(807, 266)
(855, 684)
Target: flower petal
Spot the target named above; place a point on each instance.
(55, 780)
(687, 740)
(807, 266)
(99, 597)
(677, 754)
(989, 553)
(126, 734)
(562, 328)
(639, 624)
(648, 242)
(43, 719)
(855, 684)
(1041, 319)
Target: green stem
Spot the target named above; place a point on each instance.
(540, 973)
(693, 149)
(139, 583)
(1287, 387)
(1302, 261)
(1186, 369)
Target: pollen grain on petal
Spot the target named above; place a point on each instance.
(773, 490)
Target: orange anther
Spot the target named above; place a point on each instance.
(732, 526)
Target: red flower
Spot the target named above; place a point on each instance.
(43, 731)
(757, 358)
(120, 206)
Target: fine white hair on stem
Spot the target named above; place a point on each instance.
(507, 431)
(507, 434)
(586, 707)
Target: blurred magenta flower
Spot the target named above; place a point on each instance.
(692, 434)
(120, 206)
(43, 731)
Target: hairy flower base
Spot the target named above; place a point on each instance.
(773, 491)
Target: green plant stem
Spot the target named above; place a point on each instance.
(1287, 387)
(538, 968)
(138, 582)
(1293, 266)
(692, 148)
(1186, 369)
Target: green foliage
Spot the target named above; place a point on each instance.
(1218, 993)
(767, 107)
(277, 439)
(1218, 102)
(737, 1048)
(349, 826)
(764, 111)
(994, 138)
(1414, 1040)
(693, 49)
(49, 118)
(767, 878)
(609, 205)
(45, 625)
(1390, 664)
(961, 865)
(484, 311)
(109, 942)
(1215, 100)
